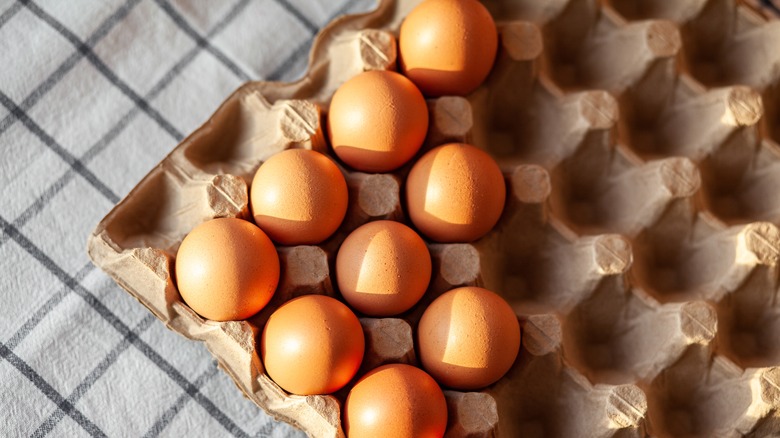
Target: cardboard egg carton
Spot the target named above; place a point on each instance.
(639, 244)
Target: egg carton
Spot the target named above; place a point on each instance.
(639, 244)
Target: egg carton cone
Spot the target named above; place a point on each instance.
(638, 247)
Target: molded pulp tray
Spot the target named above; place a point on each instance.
(639, 246)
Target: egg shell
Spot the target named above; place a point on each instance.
(395, 400)
(312, 345)
(468, 338)
(455, 193)
(298, 197)
(447, 47)
(377, 121)
(226, 269)
(383, 268)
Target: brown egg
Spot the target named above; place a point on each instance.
(227, 269)
(468, 338)
(455, 193)
(395, 400)
(383, 268)
(377, 121)
(312, 345)
(447, 47)
(299, 197)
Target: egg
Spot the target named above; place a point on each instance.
(226, 269)
(298, 197)
(312, 345)
(383, 268)
(447, 47)
(377, 121)
(395, 400)
(468, 338)
(455, 193)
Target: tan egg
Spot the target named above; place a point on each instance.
(226, 269)
(455, 193)
(383, 268)
(377, 121)
(395, 400)
(447, 47)
(312, 345)
(299, 197)
(468, 338)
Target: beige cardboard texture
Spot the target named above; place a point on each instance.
(638, 247)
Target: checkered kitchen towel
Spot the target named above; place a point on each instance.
(93, 93)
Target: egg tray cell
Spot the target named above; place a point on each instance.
(639, 244)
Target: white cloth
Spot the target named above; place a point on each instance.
(93, 94)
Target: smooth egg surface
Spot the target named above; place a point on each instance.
(395, 400)
(383, 268)
(299, 197)
(447, 47)
(377, 121)
(226, 269)
(312, 345)
(468, 338)
(455, 193)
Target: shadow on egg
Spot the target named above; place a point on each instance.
(468, 338)
(366, 160)
(291, 232)
(383, 268)
(455, 193)
(427, 79)
(447, 354)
